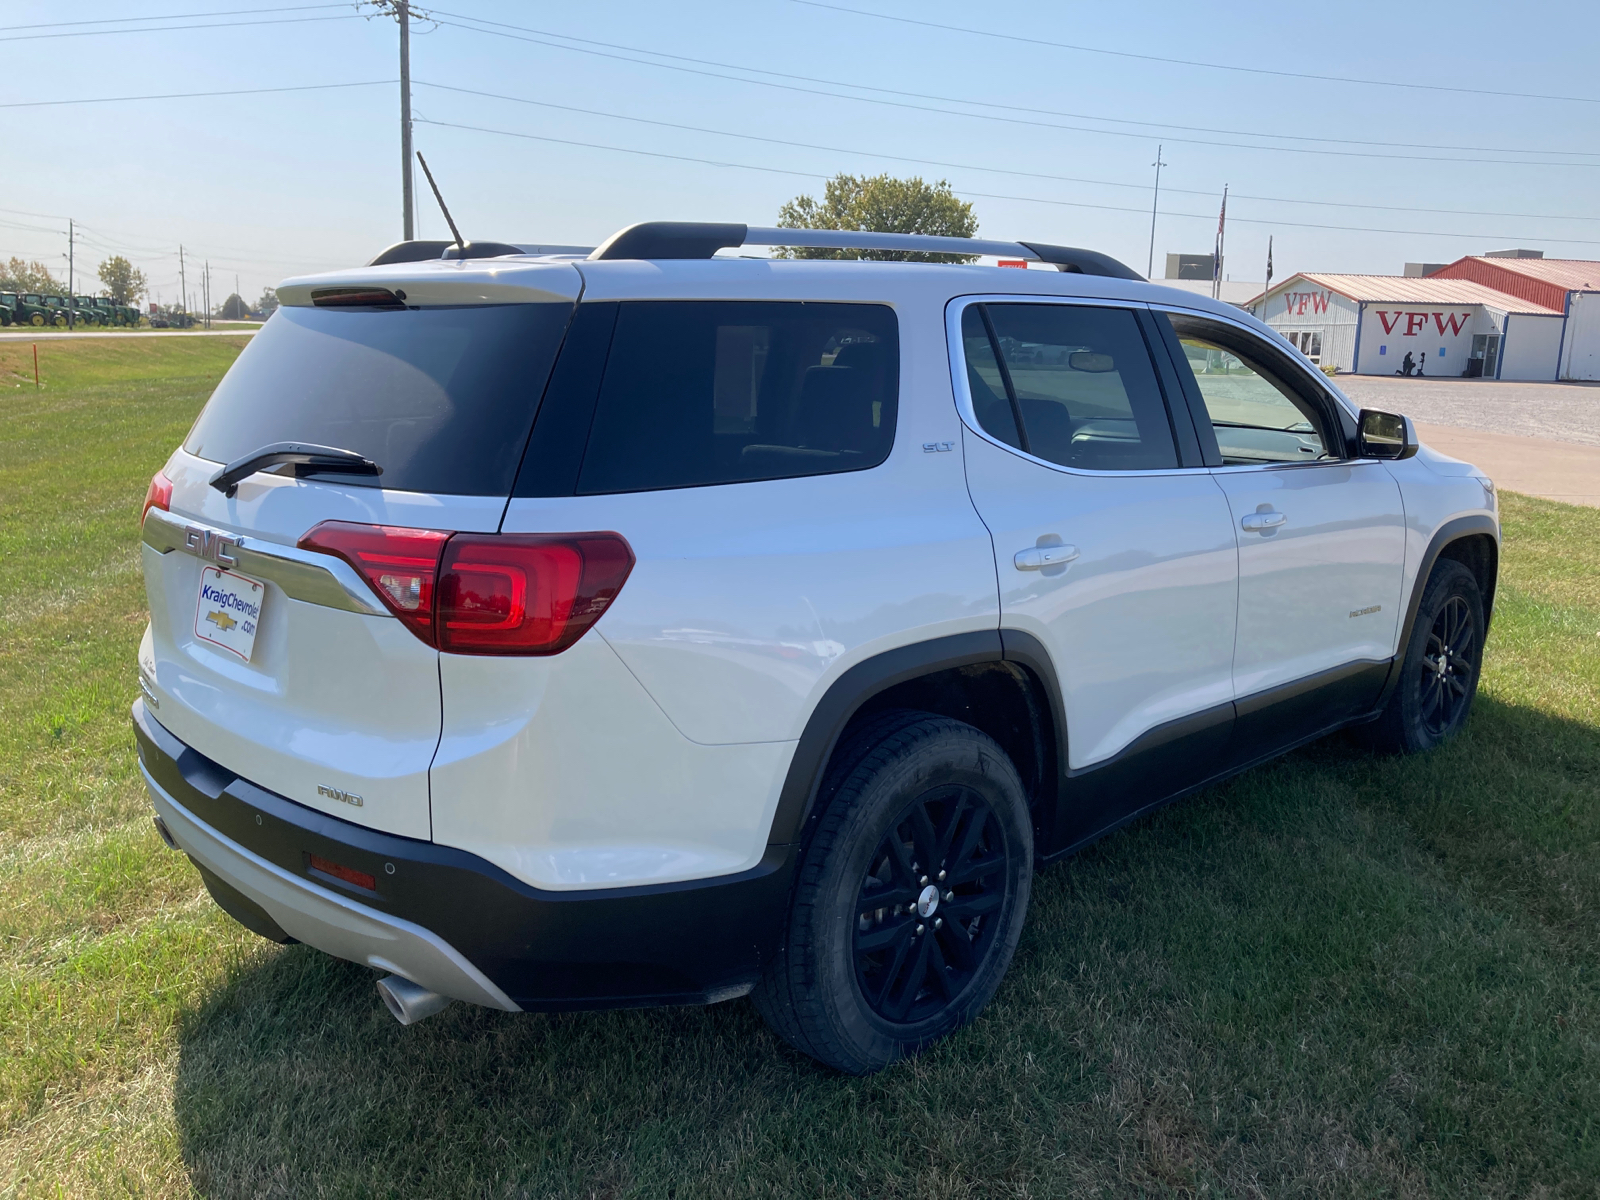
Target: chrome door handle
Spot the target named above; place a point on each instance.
(1260, 522)
(1037, 558)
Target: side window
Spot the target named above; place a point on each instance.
(1078, 383)
(707, 392)
(1257, 414)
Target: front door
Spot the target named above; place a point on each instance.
(1120, 560)
(1321, 538)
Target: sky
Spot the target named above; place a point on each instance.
(1358, 136)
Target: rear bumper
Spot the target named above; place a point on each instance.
(452, 921)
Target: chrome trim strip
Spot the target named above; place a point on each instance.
(302, 574)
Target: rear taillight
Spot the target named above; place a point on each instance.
(472, 593)
(157, 495)
(400, 564)
(526, 593)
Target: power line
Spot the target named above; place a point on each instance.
(993, 196)
(836, 149)
(1189, 62)
(32, 37)
(308, 87)
(540, 36)
(235, 12)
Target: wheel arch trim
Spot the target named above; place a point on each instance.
(1456, 530)
(872, 676)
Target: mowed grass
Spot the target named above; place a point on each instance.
(1335, 975)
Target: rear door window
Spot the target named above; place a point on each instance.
(441, 398)
(1073, 385)
(710, 392)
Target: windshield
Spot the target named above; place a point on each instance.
(441, 398)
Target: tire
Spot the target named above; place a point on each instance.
(1440, 669)
(858, 985)
(37, 320)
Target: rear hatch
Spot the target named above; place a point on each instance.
(284, 664)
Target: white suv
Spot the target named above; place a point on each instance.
(658, 628)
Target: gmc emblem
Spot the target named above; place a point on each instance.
(209, 544)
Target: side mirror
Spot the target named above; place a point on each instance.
(1385, 435)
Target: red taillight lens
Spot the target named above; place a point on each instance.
(484, 593)
(157, 495)
(526, 593)
(400, 564)
(350, 875)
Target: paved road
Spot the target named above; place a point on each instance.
(1535, 466)
(1563, 412)
(51, 335)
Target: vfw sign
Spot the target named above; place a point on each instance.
(1434, 341)
(1305, 304)
(1415, 324)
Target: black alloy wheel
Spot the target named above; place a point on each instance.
(1449, 668)
(925, 910)
(1438, 676)
(910, 897)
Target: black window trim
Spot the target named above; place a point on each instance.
(956, 308)
(1293, 370)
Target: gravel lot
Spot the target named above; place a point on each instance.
(1564, 412)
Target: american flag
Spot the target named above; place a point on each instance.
(1216, 257)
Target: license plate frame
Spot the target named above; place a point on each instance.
(228, 610)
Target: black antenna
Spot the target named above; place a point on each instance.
(460, 241)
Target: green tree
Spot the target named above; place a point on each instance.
(234, 309)
(882, 204)
(268, 304)
(20, 276)
(126, 284)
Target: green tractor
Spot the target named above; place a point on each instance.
(113, 313)
(8, 308)
(31, 309)
(57, 307)
(86, 311)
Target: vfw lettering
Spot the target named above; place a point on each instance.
(1297, 304)
(1417, 322)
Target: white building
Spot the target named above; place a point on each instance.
(1525, 319)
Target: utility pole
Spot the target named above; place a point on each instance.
(71, 287)
(408, 224)
(207, 293)
(1150, 267)
(183, 282)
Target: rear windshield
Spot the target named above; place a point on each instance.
(440, 398)
(708, 392)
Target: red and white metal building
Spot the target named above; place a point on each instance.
(1500, 318)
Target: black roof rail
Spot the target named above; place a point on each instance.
(418, 251)
(1084, 262)
(410, 252)
(698, 239)
(671, 239)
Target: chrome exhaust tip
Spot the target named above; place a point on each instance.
(410, 1002)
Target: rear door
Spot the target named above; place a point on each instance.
(1113, 548)
(282, 664)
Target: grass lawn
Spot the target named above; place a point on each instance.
(1335, 975)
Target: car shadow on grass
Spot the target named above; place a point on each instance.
(1334, 973)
